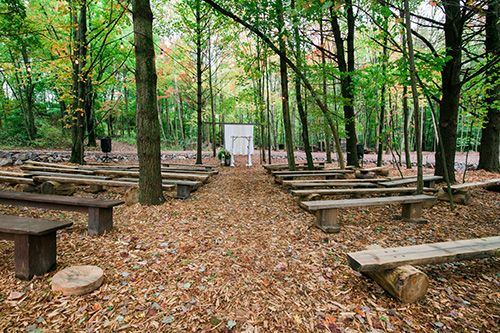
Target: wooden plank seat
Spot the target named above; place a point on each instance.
(204, 166)
(16, 180)
(164, 175)
(465, 186)
(184, 187)
(328, 184)
(88, 181)
(68, 175)
(358, 191)
(35, 248)
(433, 253)
(429, 181)
(327, 210)
(319, 171)
(100, 212)
(326, 175)
(57, 170)
(14, 174)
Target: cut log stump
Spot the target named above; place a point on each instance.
(77, 280)
(131, 196)
(460, 197)
(405, 283)
(27, 188)
(53, 187)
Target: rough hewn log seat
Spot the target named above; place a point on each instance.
(358, 191)
(429, 181)
(100, 211)
(434, 253)
(327, 210)
(35, 248)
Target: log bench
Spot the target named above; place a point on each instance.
(35, 248)
(204, 166)
(327, 210)
(184, 187)
(392, 267)
(100, 211)
(328, 184)
(326, 175)
(429, 181)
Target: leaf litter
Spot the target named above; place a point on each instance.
(241, 256)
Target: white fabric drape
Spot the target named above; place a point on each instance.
(240, 144)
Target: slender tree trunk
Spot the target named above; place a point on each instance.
(148, 132)
(284, 91)
(199, 101)
(490, 139)
(79, 62)
(325, 91)
(347, 69)
(411, 58)
(382, 98)
(298, 93)
(212, 97)
(178, 99)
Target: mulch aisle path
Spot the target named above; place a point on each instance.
(242, 256)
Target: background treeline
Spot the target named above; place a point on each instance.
(306, 73)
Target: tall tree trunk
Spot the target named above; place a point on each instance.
(347, 69)
(413, 78)
(199, 102)
(212, 97)
(284, 90)
(29, 89)
(490, 139)
(298, 93)
(325, 91)
(148, 132)
(178, 99)
(382, 98)
(78, 109)
(451, 86)
(89, 113)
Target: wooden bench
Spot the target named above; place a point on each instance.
(327, 210)
(328, 184)
(100, 211)
(35, 248)
(429, 181)
(204, 166)
(326, 175)
(184, 187)
(465, 186)
(392, 267)
(358, 191)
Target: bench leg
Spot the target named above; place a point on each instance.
(430, 183)
(413, 213)
(100, 220)
(327, 220)
(183, 192)
(34, 255)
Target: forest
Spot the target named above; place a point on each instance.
(394, 76)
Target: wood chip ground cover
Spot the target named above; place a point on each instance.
(242, 256)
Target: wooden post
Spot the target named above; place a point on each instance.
(100, 220)
(412, 212)
(183, 191)
(327, 220)
(34, 254)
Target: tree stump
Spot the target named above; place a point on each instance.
(28, 188)
(52, 187)
(382, 172)
(93, 188)
(131, 196)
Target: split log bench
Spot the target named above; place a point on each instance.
(184, 187)
(327, 210)
(100, 211)
(328, 184)
(35, 248)
(391, 267)
(461, 193)
(327, 175)
(429, 181)
(204, 166)
(358, 191)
